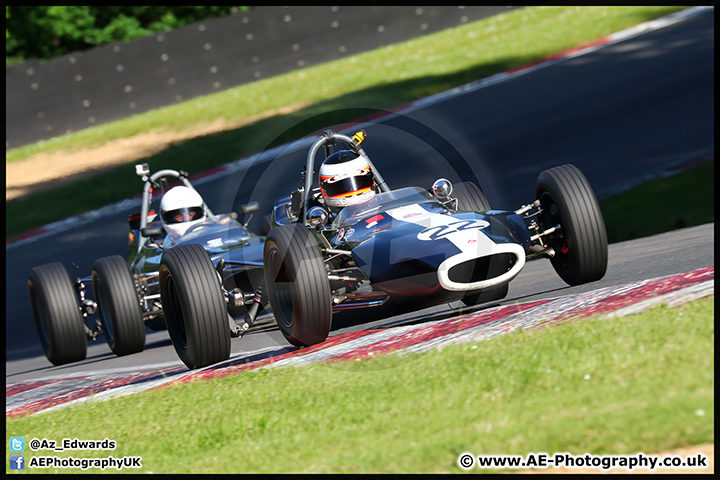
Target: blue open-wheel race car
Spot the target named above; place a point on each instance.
(350, 241)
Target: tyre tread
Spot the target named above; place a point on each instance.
(67, 341)
(128, 327)
(587, 260)
(470, 197)
(313, 315)
(208, 335)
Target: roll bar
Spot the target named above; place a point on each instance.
(153, 181)
(326, 138)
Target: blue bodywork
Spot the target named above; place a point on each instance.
(388, 249)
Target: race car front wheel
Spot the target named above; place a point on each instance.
(581, 249)
(118, 305)
(56, 311)
(297, 284)
(193, 305)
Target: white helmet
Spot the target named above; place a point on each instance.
(346, 179)
(180, 208)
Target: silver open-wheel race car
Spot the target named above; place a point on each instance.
(417, 247)
(199, 284)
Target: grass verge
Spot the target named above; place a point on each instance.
(381, 79)
(639, 383)
(685, 199)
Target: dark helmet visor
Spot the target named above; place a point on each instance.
(347, 186)
(181, 215)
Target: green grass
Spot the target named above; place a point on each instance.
(337, 92)
(638, 383)
(683, 200)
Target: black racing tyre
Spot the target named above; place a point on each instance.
(56, 311)
(297, 284)
(265, 225)
(118, 305)
(581, 248)
(470, 197)
(486, 295)
(193, 306)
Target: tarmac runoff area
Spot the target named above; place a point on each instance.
(51, 393)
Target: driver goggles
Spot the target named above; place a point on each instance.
(347, 186)
(180, 215)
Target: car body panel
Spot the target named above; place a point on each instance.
(407, 243)
(222, 237)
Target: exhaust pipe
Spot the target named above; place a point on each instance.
(366, 300)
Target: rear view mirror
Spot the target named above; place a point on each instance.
(441, 189)
(249, 208)
(155, 231)
(317, 217)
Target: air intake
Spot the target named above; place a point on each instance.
(482, 268)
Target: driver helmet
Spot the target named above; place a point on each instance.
(180, 208)
(346, 179)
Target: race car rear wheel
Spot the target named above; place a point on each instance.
(193, 306)
(118, 305)
(297, 284)
(489, 294)
(581, 249)
(470, 197)
(56, 311)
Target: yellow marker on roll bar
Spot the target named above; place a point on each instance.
(359, 137)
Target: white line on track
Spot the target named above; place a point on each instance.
(139, 369)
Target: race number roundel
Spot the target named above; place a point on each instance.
(442, 231)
